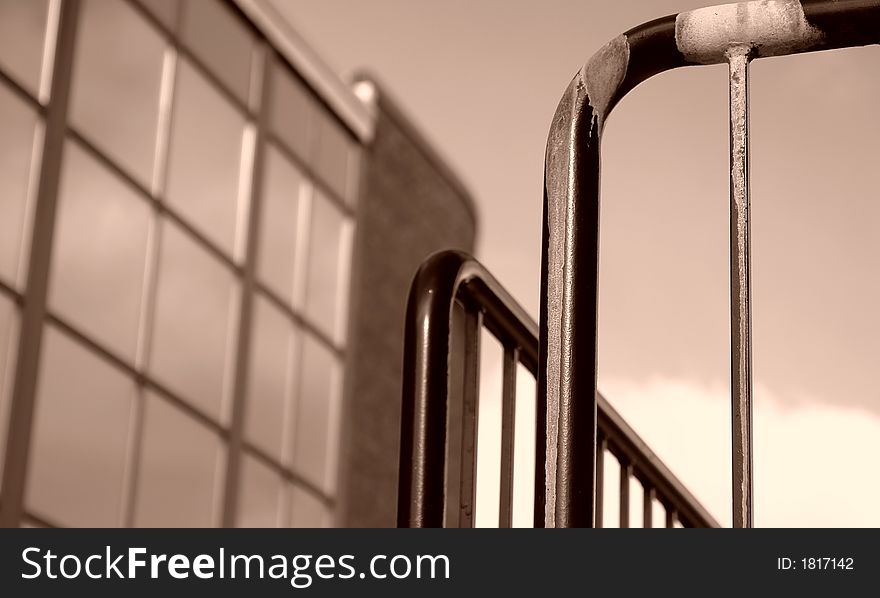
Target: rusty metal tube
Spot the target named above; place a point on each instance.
(740, 288)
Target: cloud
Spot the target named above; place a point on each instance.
(813, 461)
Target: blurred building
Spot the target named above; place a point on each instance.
(206, 241)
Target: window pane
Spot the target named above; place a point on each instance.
(292, 112)
(333, 154)
(18, 124)
(194, 305)
(269, 379)
(328, 260)
(117, 79)
(179, 469)
(317, 416)
(260, 495)
(100, 253)
(9, 322)
(164, 10)
(306, 510)
(22, 36)
(81, 436)
(282, 190)
(206, 146)
(220, 39)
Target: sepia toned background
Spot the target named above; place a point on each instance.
(234, 225)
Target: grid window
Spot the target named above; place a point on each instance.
(221, 41)
(117, 84)
(292, 113)
(267, 416)
(329, 239)
(148, 267)
(306, 510)
(316, 417)
(18, 144)
(333, 154)
(283, 193)
(22, 41)
(9, 322)
(205, 158)
(260, 504)
(180, 463)
(195, 303)
(97, 289)
(81, 436)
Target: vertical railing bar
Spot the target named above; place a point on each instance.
(540, 500)
(601, 447)
(648, 507)
(473, 324)
(625, 473)
(740, 289)
(508, 430)
(454, 416)
(670, 516)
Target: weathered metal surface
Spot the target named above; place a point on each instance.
(603, 74)
(740, 288)
(769, 28)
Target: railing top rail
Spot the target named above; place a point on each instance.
(704, 35)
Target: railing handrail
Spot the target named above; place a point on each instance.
(442, 279)
(434, 290)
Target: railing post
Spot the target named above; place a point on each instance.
(508, 435)
(569, 289)
(738, 57)
(473, 324)
(625, 476)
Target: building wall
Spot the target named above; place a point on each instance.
(181, 187)
(410, 206)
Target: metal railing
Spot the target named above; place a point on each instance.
(452, 298)
(734, 34)
(573, 420)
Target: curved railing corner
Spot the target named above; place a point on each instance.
(452, 297)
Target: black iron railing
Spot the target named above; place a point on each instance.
(574, 422)
(734, 34)
(451, 299)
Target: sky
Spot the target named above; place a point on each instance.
(482, 80)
